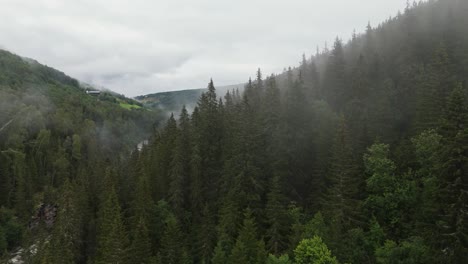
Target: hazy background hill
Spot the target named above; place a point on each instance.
(174, 100)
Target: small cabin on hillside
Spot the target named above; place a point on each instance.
(93, 92)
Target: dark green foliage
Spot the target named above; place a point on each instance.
(453, 178)
(342, 199)
(283, 259)
(335, 90)
(284, 173)
(172, 243)
(390, 195)
(277, 218)
(66, 239)
(112, 239)
(247, 248)
(12, 231)
(412, 251)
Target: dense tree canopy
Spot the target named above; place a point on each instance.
(359, 155)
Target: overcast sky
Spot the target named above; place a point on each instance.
(145, 46)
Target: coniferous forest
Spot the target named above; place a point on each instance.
(357, 155)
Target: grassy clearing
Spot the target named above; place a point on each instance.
(129, 106)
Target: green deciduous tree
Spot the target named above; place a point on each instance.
(313, 251)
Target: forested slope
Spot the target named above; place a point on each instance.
(358, 155)
(53, 133)
(174, 100)
(362, 149)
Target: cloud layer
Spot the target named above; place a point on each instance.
(142, 46)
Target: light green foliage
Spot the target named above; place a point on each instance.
(412, 251)
(313, 251)
(76, 149)
(381, 170)
(129, 106)
(390, 195)
(297, 226)
(316, 227)
(219, 255)
(283, 259)
(360, 245)
(427, 149)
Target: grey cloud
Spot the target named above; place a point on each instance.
(142, 46)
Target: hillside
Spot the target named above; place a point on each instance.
(52, 131)
(173, 101)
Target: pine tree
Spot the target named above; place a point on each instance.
(295, 132)
(435, 84)
(22, 190)
(276, 217)
(172, 243)
(180, 167)
(453, 179)
(315, 91)
(342, 204)
(204, 236)
(208, 135)
(112, 239)
(229, 222)
(163, 156)
(219, 255)
(259, 86)
(246, 248)
(271, 109)
(65, 242)
(140, 250)
(197, 189)
(335, 91)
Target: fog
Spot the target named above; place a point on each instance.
(140, 47)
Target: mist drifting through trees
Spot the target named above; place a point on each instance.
(357, 155)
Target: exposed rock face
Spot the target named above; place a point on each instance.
(46, 214)
(17, 256)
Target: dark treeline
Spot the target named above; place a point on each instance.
(359, 155)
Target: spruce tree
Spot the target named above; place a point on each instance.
(276, 217)
(453, 179)
(66, 240)
(342, 203)
(335, 89)
(173, 243)
(180, 166)
(112, 240)
(247, 247)
(140, 250)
